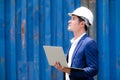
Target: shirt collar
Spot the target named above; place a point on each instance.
(73, 39)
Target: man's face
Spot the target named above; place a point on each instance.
(74, 24)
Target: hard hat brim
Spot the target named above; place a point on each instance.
(70, 14)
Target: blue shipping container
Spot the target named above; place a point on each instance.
(27, 25)
(108, 15)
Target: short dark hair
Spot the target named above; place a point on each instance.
(86, 28)
(80, 19)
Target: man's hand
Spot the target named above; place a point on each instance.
(61, 68)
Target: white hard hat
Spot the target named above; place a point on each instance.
(84, 13)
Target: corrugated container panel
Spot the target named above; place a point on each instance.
(46, 33)
(2, 41)
(30, 25)
(108, 39)
(103, 39)
(10, 45)
(115, 39)
(36, 39)
(21, 40)
(27, 25)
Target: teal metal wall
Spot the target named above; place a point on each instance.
(108, 15)
(25, 26)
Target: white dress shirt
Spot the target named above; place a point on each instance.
(71, 51)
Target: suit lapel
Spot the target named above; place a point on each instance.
(78, 46)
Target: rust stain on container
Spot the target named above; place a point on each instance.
(23, 33)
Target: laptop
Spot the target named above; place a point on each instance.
(56, 53)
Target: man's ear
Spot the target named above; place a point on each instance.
(82, 23)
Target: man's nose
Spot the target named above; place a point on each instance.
(69, 21)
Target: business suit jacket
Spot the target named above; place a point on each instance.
(85, 56)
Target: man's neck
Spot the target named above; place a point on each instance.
(78, 34)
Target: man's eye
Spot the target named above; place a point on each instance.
(73, 18)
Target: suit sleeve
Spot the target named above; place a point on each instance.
(91, 57)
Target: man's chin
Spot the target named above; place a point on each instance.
(69, 29)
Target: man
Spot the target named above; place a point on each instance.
(83, 52)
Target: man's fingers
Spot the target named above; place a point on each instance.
(58, 65)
